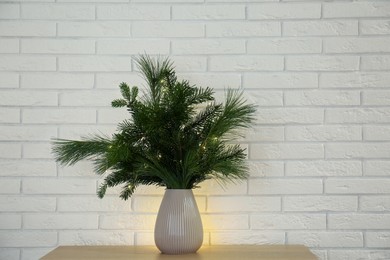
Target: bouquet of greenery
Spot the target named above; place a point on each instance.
(177, 136)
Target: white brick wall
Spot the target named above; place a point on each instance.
(319, 154)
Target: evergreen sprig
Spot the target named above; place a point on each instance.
(171, 139)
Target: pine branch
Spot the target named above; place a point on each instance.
(69, 152)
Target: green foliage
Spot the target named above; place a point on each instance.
(177, 135)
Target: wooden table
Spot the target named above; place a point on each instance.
(236, 252)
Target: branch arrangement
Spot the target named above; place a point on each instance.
(177, 135)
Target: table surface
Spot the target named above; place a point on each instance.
(228, 252)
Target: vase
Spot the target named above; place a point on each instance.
(178, 228)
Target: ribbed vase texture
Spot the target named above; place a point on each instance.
(178, 227)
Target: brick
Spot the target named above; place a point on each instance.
(322, 63)
(27, 63)
(27, 238)
(357, 115)
(9, 45)
(57, 81)
(95, 63)
(376, 133)
(286, 151)
(265, 169)
(133, 12)
(276, 186)
(150, 190)
(10, 221)
(94, 1)
(167, 29)
(264, 134)
(209, 46)
(9, 11)
(81, 169)
(32, 1)
(376, 203)
(320, 203)
(377, 239)
(323, 133)
(9, 186)
(243, 29)
(246, 63)
(376, 98)
(9, 80)
(376, 168)
(381, 62)
(27, 28)
(320, 28)
(374, 27)
(208, 12)
(354, 80)
(58, 11)
(27, 168)
(212, 187)
(216, 80)
(76, 132)
(37, 151)
(322, 98)
(27, 204)
(244, 237)
(361, 10)
(58, 116)
(112, 115)
(357, 186)
(357, 45)
(112, 80)
(326, 239)
(96, 29)
(324, 168)
(151, 204)
(9, 115)
(10, 253)
(189, 63)
(243, 204)
(356, 254)
(128, 221)
(280, 80)
(290, 115)
(92, 98)
(284, 46)
(35, 253)
(9, 150)
(225, 222)
(92, 204)
(239, 1)
(28, 133)
(60, 221)
(359, 221)
(133, 46)
(28, 98)
(357, 150)
(288, 221)
(168, 1)
(96, 237)
(59, 186)
(284, 11)
(58, 46)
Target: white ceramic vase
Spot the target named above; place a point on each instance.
(178, 227)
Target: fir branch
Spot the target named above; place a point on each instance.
(69, 152)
